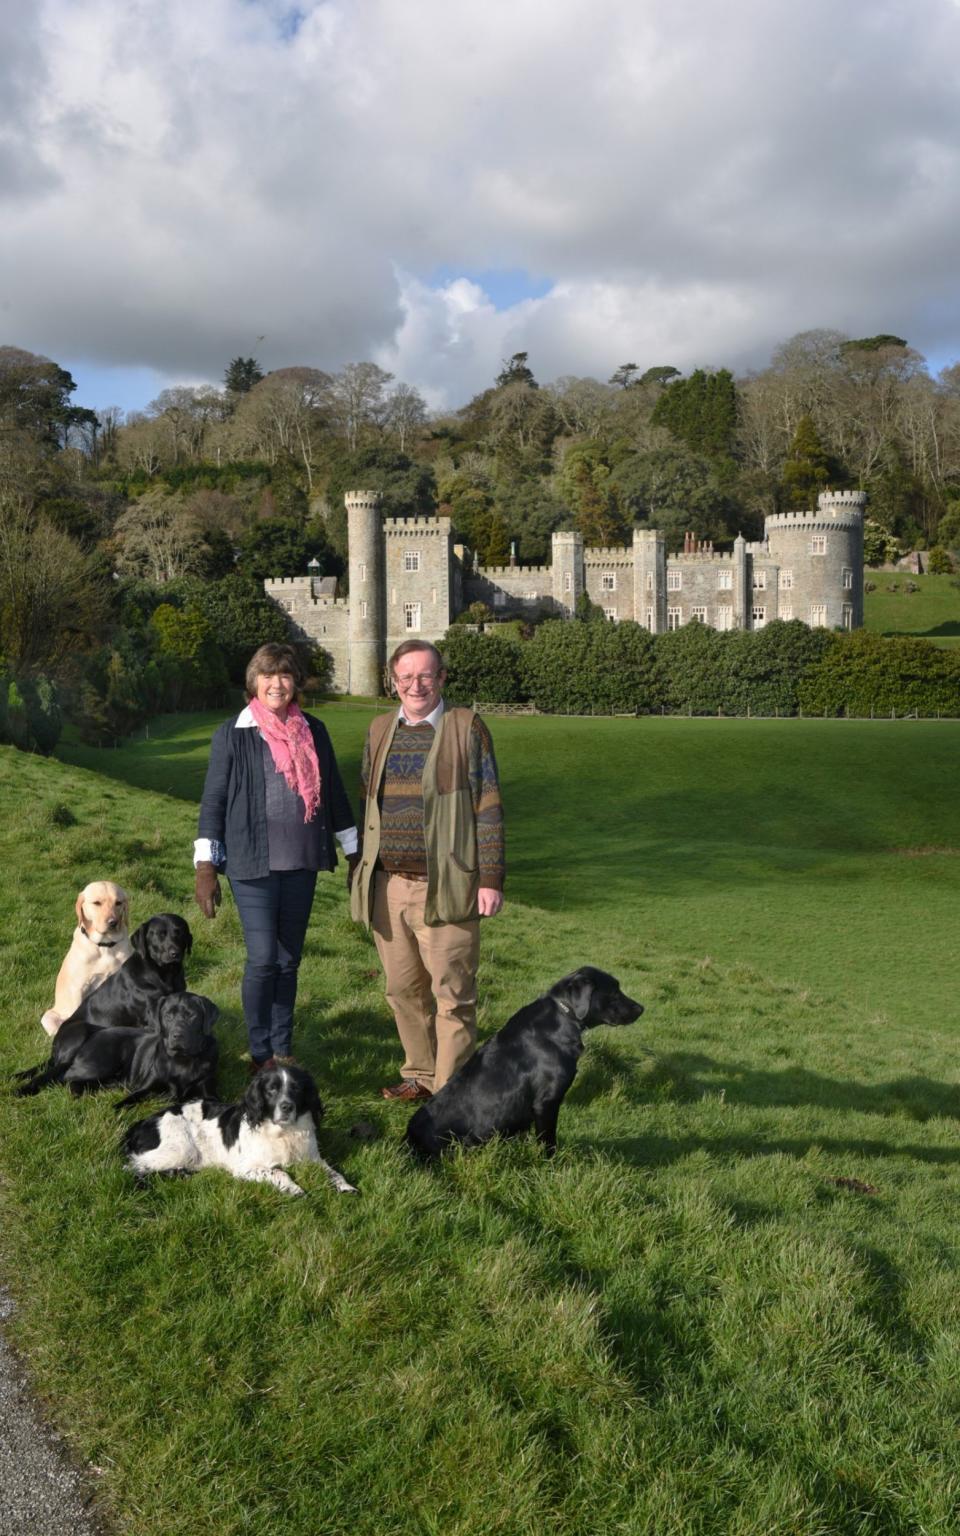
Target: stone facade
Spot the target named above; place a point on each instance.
(408, 578)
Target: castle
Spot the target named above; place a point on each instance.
(409, 578)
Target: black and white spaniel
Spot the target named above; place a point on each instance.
(274, 1124)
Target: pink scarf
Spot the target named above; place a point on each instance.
(293, 752)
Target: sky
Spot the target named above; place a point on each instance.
(435, 185)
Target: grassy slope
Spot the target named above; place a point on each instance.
(683, 1325)
(931, 613)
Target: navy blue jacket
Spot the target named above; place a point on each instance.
(233, 806)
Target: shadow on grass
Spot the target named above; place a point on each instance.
(686, 1077)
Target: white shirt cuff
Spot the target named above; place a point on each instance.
(207, 850)
(348, 839)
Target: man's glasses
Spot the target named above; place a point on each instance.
(423, 678)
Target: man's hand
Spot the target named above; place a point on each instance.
(207, 889)
(353, 859)
(489, 901)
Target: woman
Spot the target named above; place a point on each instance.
(272, 802)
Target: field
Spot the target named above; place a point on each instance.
(932, 612)
(731, 1303)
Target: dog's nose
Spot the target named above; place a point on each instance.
(286, 1106)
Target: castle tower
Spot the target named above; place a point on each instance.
(367, 618)
(568, 583)
(820, 555)
(650, 579)
(742, 585)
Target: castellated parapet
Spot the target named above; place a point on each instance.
(408, 579)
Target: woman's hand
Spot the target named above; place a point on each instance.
(207, 889)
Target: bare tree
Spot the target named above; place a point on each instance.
(406, 410)
(156, 538)
(358, 396)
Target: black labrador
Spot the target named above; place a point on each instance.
(154, 970)
(519, 1077)
(176, 1057)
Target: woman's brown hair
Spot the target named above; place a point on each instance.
(273, 657)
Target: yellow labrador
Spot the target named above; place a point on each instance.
(101, 944)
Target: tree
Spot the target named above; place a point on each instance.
(157, 538)
(282, 417)
(358, 401)
(701, 412)
(516, 372)
(279, 546)
(406, 412)
(241, 375)
(808, 468)
(35, 398)
(624, 375)
(660, 375)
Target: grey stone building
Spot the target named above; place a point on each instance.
(409, 578)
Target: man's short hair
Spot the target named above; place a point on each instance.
(406, 646)
(270, 658)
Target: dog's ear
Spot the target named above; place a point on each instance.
(577, 993)
(188, 943)
(79, 908)
(255, 1105)
(313, 1105)
(211, 1014)
(138, 939)
(122, 907)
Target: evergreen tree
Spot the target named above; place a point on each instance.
(808, 468)
(516, 372)
(241, 374)
(701, 412)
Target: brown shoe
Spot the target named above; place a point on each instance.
(254, 1066)
(407, 1092)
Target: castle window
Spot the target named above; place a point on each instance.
(818, 544)
(847, 578)
(846, 615)
(610, 613)
(363, 610)
(674, 618)
(362, 571)
(650, 620)
(649, 581)
(608, 581)
(567, 581)
(411, 615)
(759, 616)
(786, 611)
(699, 614)
(724, 617)
(499, 599)
(818, 615)
(674, 579)
(724, 581)
(759, 581)
(530, 597)
(393, 594)
(786, 581)
(411, 560)
(433, 594)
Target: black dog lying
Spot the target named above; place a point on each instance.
(519, 1077)
(154, 970)
(275, 1123)
(176, 1057)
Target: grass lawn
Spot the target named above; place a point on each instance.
(684, 1324)
(930, 613)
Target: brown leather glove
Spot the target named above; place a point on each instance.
(207, 889)
(353, 859)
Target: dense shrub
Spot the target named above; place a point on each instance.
(692, 666)
(762, 670)
(862, 673)
(601, 669)
(483, 667)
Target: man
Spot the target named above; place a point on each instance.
(431, 865)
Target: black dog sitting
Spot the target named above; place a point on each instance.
(154, 970)
(519, 1077)
(176, 1057)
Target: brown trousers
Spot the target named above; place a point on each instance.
(431, 975)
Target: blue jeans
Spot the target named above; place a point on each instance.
(274, 913)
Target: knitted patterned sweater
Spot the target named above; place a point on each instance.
(402, 846)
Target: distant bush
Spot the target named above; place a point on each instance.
(862, 673)
(484, 667)
(593, 668)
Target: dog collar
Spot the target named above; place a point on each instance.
(564, 1008)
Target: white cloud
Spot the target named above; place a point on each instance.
(178, 181)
